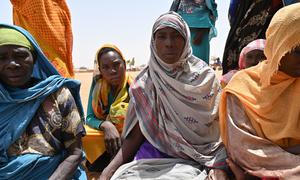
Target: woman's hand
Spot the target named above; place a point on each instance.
(111, 137)
(199, 36)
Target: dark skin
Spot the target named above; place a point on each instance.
(290, 65)
(112, 68)
(128, 149)
(253, 57)
(16, 66)
(66, 169)
(169, 45)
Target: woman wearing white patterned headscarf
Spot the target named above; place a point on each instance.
(171, 128)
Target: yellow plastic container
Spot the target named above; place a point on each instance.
(93, 143)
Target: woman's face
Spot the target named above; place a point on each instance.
(169, 44)
(16, 65)
(253, 57)
(112, 68)
(290, 63)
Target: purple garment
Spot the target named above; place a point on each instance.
(148, 151)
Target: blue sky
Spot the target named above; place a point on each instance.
(126, 24)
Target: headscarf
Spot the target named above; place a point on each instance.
(118, 109)
(176, 105)
(251, 20)
(227, 77)
(18, 107)
(269, 96)
(13, 37)
(258, 44)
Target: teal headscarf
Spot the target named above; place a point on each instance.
(18, 106)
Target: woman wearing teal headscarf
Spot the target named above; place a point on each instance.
(41, 122)
(200, 16)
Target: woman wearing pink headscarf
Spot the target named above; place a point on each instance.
(250, 56)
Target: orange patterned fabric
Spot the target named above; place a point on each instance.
(49, 21)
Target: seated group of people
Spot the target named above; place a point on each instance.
(174, 121)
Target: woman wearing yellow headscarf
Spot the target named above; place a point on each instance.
(259, 111)
(107, 107)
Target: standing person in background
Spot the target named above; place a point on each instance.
(200, 16)
(49, 21)
(248, 20)
(107, 107)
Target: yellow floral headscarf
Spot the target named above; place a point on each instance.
(101, 90)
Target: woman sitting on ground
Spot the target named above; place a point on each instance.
(41, 114)
(107, 107)
(259, 109)
(250, 56)
(171, 128)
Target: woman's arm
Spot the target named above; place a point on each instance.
(66, 169)
(128, 149)
(200, 32)
(111, 135)
(71, 131)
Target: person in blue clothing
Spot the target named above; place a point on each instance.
(107, 107)
(41, 121)
(200, 15)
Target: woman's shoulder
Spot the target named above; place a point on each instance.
(246, 77)
(62, 95)
(142, 81)
(200, 66)
(63, 91)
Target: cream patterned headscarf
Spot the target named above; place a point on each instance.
(177, 105)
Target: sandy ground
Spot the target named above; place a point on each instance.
(86, 78)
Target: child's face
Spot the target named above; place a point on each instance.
(252, 58)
